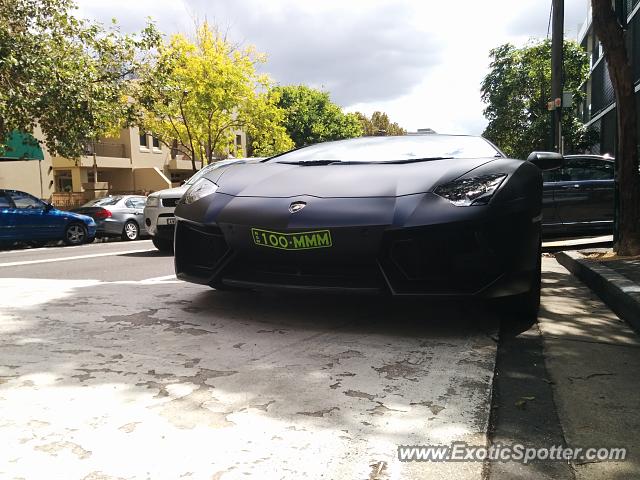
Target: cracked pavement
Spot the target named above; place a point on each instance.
(111, 368)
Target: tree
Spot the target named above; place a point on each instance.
(67, 75)
(379, 124)
(516, 91)
(199, 93)
(611, 34)
(311, 117)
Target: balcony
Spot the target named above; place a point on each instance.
(602, 94)
(181, 162)
(106, 149)
(108, 155)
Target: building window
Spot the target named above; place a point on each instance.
(156, 142)
(238, 140)
(144, 140)
(63, 181)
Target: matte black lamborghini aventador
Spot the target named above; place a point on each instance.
(433, 215)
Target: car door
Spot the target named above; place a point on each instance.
(31, 218)
(551, 221)
(584, 198)
(7, 218)
(136, 207)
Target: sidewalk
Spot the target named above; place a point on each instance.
(570, 379)
(593, 359)
(617, 282)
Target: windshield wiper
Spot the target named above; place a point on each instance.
(313, 162)
(412, 160)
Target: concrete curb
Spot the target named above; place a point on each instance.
(617, 291)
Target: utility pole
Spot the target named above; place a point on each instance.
(557, 54)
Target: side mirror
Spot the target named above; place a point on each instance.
(48, 207)
(546, 160)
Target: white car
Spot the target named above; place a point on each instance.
(158, 211)
(158, 216)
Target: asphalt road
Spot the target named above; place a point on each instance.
(111, 368)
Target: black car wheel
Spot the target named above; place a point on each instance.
(75, 234)
(131, 231)
(163, 244)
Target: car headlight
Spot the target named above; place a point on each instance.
(198, 190)
(153, 201)
(471, 191)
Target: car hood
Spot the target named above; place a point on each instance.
(176, 192)
(279, 180)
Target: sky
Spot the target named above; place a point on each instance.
(420, 61)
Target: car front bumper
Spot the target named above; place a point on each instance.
(439, 251)
(158, 221)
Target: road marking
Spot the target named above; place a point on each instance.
(160, 279)
(64, 247)
(76, 257)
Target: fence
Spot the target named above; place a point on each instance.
(65, 201)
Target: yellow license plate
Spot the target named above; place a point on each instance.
(292, 241)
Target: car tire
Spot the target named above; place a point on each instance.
(75, 234)
(131, 231)
(163, 244)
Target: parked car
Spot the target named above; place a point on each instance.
(117, 216)
(578, 198)
(158, 212)
(25, 218)
(431, 215)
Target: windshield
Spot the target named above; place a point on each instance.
(196, 176)
(103, 202)
(392, 149)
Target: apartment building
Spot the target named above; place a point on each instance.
(134, 162)
(599, 108)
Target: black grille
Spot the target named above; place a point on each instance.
(170, 202)
(199, 250)
(361, 276)
(442, 260)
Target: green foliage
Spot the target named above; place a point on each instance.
(67, 75)
(311, 117)
(379, 124)
(517, 90)
(199, 93)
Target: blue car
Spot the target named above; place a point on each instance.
(25, 218)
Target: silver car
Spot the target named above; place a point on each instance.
(117, 216)
(158, 213)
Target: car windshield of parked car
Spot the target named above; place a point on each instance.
(407, 148)
(103, 202)
(135, 202)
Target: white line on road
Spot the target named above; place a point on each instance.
(66, 248)
(160, 279)
(77, 257)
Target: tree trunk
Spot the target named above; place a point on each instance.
(611, 34)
